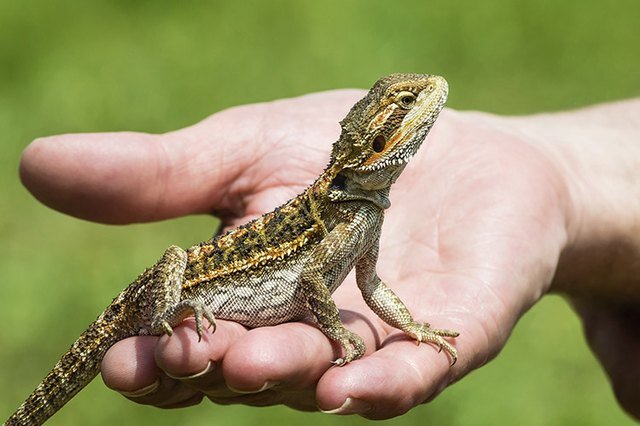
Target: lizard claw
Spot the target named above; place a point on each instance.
(167, 328)
(353, 347)
(200, 311)
(424, 333)
(180, 311)
(339, 362)
(210, 318)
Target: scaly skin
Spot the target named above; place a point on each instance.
(284, 265)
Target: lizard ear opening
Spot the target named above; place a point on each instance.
(378, 143)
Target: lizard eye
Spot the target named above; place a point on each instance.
(378, 143)
(406, 99)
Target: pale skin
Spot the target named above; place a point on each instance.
(491, 214)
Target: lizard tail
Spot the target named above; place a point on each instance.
(77, 367)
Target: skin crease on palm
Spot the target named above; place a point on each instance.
(482, 219)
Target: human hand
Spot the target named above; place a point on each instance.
(473, 238)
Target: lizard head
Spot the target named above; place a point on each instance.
(385, 128)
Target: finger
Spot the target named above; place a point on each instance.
(614, 337)
(126, 177)
(276, 365)
(129, 368)
(281, 364)
(161, 371)
(386, 384)
(129, 365)
(295, 354)
(194, 362)
(398, 376)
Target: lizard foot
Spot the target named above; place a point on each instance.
(424, 333)
(352, 345)
(181, 310)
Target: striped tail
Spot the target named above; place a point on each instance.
(77, 367)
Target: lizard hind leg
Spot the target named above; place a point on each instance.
(164, 295)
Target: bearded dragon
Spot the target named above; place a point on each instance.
(284, 265)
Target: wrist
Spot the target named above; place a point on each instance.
(597, 151)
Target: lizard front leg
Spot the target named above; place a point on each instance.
(334, 253)
(167, 309)
(388, 306)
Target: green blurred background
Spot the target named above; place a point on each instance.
(154, 66)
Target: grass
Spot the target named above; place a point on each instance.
(155, 66)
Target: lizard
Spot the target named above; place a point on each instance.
(284, 265)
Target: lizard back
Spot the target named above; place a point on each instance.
(255, 267)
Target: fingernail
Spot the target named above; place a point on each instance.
(267, 385)
(350, 406)
(147, 390)
(210, 366)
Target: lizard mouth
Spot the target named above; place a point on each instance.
(403, 144)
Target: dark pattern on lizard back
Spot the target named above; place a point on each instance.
(269, 239)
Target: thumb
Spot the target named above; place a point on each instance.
(129, 177)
